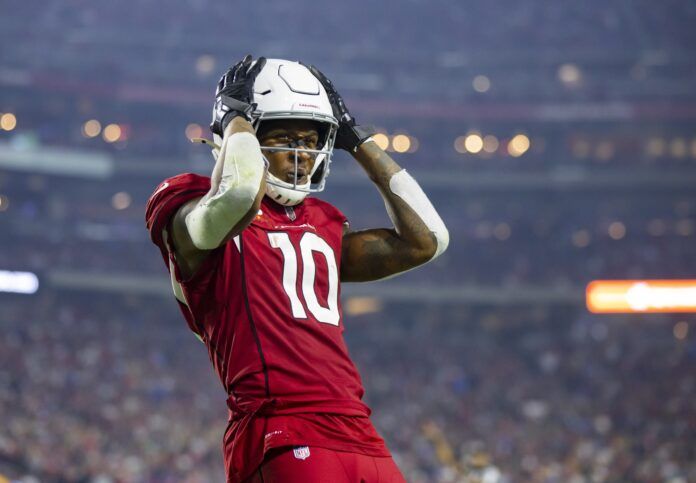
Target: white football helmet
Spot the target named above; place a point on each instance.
(286, 89)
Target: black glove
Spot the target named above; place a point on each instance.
(350, 135)
(235, 93)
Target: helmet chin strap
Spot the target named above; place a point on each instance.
(283, 193)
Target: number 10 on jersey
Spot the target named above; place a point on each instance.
(309, 243)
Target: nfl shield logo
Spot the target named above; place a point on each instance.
(301, 452)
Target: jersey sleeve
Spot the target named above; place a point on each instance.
(164, 202)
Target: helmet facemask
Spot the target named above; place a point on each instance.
(292, 192)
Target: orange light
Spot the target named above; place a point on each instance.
(518, 145)
(363, 305)
(473, 143)
(8, 121)
(382, 140)
(401, 143)
(641, 296)
(111, 133)
(91, 128)
(194, 130)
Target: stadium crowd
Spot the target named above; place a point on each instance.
(115, 389)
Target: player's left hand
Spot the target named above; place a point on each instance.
(350, 135)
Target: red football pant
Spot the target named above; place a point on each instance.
(319, 465)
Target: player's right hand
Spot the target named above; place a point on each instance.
(235, 93)
(350, 135)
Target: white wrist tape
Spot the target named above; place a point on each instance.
(405, 187)
(243, 167)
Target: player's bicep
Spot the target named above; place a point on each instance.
(373, 254)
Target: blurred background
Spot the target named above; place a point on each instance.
(557, 139)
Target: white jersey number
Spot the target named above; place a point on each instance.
(309, 243)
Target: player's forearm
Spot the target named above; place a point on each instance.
(237, 184)
(415, 220)
(237, 125)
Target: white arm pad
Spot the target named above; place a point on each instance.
(405, 187)
(243, 167)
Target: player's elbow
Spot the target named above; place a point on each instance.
(437, 244)
(442, 238)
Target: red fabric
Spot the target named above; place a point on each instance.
(161, 207)
(314, 464)
(238, 305)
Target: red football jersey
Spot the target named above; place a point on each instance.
(267, 306)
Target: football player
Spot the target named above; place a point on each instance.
(256, 265)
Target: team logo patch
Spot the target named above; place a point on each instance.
(301, 452)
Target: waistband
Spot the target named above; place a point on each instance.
(244, 412)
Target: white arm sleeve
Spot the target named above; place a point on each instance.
(243, 167)
(405, 187)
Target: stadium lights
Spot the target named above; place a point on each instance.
(116, 132)
(641, 296)
(655, 147)
(401, 143)
(678, 148)
(569, 74)
(518, 145)
(193, 131)
(581, 238)
(481, 83)
(617, 230)
(604, 151)
(205, 65)
(91, 128)
(490, 144)
(363, 305)
(18, 282)
(8, 121)
(382, 140)
(473, 143)
(681, 330)
(111, 133)
(121, 200)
